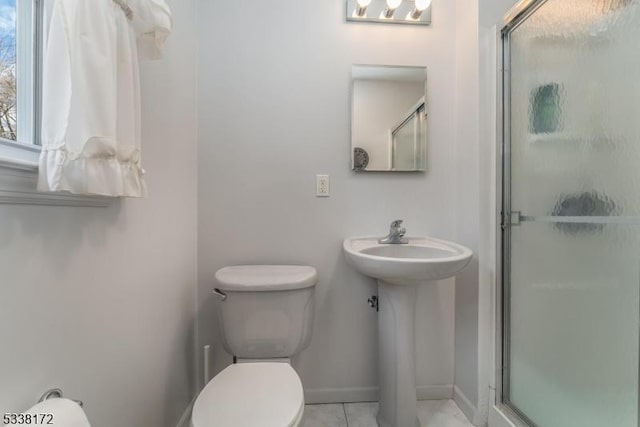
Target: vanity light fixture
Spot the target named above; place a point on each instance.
(413, 12)
(361, 9)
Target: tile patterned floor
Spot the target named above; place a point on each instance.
(432, 413)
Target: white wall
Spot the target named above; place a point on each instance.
(466, 160)
(100, 302)
(476, 203)
(273, 113)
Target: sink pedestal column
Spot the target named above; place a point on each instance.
(397, 355)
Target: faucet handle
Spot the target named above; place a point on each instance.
(396, 234)
(395, 225)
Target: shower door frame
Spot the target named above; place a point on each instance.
(506, 218)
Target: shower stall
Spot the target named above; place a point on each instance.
(570, 220)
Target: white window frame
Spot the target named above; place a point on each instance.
(19, 160)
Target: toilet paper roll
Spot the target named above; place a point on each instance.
(61, 412)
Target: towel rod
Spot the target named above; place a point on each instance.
(56, 393)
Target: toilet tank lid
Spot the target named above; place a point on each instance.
(252, 278)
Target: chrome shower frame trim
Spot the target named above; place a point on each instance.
(520, 8)
(516, 16)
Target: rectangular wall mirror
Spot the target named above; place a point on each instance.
(388, 118)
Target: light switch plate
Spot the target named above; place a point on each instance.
(322, 186)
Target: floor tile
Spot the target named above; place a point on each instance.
(441, 413)
(361, 414)
(432, 413)
(328, 415)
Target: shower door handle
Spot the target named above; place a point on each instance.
(511, 218)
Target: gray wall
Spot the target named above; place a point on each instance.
(273, 113)
(467, 196)
(476, 204)
(101, 301)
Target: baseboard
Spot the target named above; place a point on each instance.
(185, 419)
(468, 408)
(434, 392)
(370, 394)
(341, 395)
(500, 415)
(497, 418)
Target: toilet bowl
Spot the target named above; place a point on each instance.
(266, 317)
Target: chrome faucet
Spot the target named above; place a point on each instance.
(396, 234)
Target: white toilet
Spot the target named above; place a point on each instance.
(266, 317)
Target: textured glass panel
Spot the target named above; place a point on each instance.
(545, 112)
(575, 151)
(421, 155)
(404, 146)
(575, 99)
(574, 325)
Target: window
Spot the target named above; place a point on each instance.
(8, 81)
(20, 46)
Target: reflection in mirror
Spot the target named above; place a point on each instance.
(388, 118)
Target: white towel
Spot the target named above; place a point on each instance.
(66, 413)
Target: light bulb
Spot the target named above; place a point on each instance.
(361, 9)
(393, 4)
(422, 4)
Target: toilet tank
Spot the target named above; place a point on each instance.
(268, 309)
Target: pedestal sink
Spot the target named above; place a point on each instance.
(400, 268)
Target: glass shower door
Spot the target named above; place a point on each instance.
(408, 143)
(572, 213)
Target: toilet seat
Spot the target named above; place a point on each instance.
(262, 394)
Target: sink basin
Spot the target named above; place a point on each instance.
(422, 259)
(400, 268)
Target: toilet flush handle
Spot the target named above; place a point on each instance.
(221, 295)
